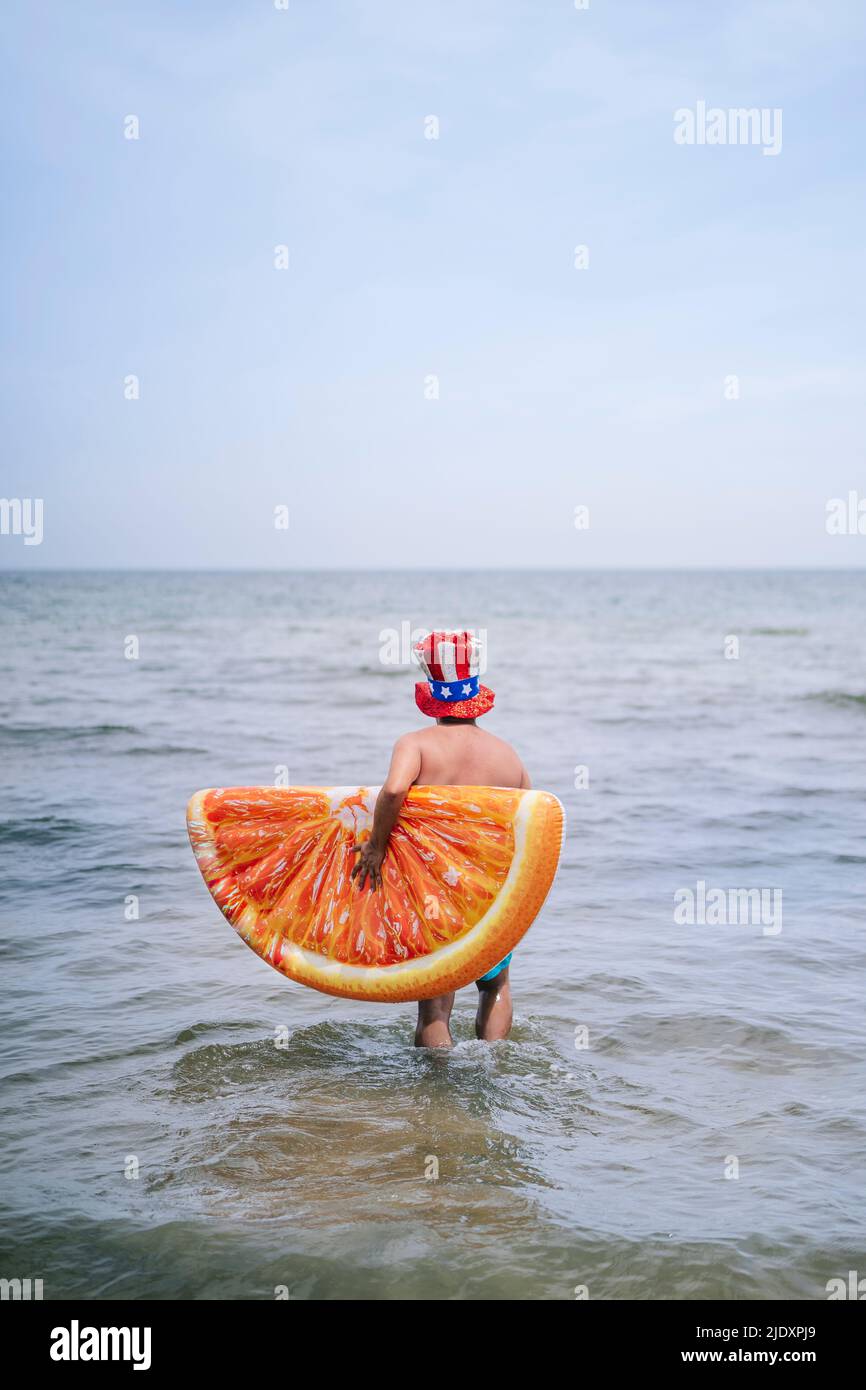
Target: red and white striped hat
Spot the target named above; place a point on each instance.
(450, 661)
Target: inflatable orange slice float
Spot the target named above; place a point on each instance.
(466, 872)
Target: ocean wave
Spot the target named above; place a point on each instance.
(22, 733)
(734, 1042)
(42, 830)
(396, 1249)
(159, 750)
(778, 632)
(838, 697)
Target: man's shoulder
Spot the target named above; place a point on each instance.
(411, 736)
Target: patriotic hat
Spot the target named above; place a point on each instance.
(450, 661)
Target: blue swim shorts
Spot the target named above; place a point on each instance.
(497, 969)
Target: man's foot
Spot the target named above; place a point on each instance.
(494, 1016)
(434, 1015)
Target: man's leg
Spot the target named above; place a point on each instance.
(493, 1019)
(432, 1029)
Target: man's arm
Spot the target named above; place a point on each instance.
(405, 766)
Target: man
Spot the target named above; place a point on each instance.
(454, 753)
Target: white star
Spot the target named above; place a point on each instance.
(467, 690)
(446, 693)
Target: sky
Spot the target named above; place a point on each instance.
(432, 380)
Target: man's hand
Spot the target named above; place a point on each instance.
(369, 863)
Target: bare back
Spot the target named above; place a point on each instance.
(462, 755)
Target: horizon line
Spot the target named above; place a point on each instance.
(422, 569)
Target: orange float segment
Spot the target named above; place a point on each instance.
(466, 872)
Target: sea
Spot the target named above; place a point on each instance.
(680, 1111)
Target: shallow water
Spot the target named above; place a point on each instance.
(332, 1158)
